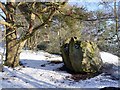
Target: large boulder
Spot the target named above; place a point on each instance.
(81, 56)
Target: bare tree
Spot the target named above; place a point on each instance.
(42, 10)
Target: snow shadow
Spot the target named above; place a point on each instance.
(57, 66)
(55, 89)
(41, 64)
(26, 79)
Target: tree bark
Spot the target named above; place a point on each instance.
(13, 50)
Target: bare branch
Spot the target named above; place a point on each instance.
(28, 35)
(39, 26)
(81, 19)
(36, 28)
(6, 24)
(95, 19)
(2, 16)
(3, 8)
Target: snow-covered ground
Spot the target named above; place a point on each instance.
(42, 70)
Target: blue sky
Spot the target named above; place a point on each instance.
(91, 6)
(84, 0)
(2, 0)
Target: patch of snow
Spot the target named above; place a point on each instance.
(111, 64)
(40, 72)
(110, 58)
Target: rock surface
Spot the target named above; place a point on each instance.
(81, 56)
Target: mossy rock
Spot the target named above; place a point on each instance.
(81, 56)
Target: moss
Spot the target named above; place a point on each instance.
(82, 56)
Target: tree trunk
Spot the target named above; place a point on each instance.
(13, 50)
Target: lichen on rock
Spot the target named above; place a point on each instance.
(81, 56)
